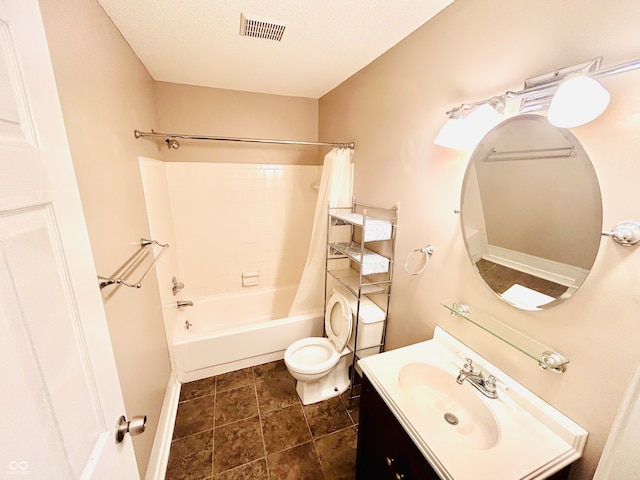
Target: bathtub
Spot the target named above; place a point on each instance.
(234, 331)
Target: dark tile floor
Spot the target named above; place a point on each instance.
(501, 278)
(250, 424)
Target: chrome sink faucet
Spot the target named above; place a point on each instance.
(486, 385)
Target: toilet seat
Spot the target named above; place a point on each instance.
(311, 355)
(338, 321)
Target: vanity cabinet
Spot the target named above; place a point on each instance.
(386, 452)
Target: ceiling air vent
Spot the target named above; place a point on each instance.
(260, 28)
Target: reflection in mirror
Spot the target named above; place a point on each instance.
(531, 212)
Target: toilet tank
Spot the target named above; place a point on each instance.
(370, 327)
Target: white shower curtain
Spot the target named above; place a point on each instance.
(336, 186)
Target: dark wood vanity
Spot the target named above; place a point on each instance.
(385, 450)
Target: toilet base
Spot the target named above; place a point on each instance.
(334, 384)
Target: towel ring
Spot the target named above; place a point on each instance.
(426, 251)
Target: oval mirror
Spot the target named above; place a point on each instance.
(531, 212)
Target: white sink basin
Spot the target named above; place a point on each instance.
(455, 413)
(514, 436)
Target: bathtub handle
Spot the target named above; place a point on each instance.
(184, 303)
(176, 286)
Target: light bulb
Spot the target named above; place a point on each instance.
(477, 125)
(579, 100)
(451, 134)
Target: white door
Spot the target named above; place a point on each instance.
(60, 397)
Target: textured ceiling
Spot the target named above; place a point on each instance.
(198, 42)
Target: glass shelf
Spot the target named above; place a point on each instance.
(547, 358)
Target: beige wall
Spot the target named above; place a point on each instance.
(227, 113)
(105, 94)
(393, 110)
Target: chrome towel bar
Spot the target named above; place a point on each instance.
(129, 266)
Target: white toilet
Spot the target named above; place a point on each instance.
(320, 365)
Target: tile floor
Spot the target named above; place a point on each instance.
(500, 278)
(250, 424)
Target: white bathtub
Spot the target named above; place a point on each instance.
(234, 331)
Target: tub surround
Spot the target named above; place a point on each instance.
(230, 218)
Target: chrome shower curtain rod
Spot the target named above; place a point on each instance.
(172, 143)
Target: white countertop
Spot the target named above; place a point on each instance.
(535, 440)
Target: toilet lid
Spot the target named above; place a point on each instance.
(337, 321)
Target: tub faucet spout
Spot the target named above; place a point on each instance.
(184, 303)
(176, 286)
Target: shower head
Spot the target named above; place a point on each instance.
(172, 143)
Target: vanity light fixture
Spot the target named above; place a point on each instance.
(468, 123)
(540, 90)
(481, 120)
(451, 134)
(579, 100)
(572, 96)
